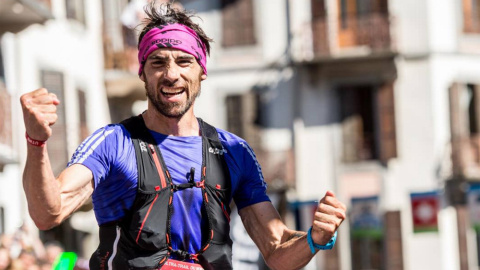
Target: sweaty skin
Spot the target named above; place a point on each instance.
(172, 81)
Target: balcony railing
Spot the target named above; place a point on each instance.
(332, 36)
(120, 51)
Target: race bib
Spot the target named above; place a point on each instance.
(179, 265)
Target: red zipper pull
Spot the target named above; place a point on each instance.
(152, 148)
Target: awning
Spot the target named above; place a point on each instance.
(16, 15)
(121, 84)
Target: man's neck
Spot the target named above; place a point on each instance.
(187, 125)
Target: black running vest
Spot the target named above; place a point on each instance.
(141, 240)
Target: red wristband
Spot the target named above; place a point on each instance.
(35, 142)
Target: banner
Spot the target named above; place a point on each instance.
(366, 218)
(424, 211)
(473, 201)
(304, 212)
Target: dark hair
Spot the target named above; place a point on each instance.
(166, 14)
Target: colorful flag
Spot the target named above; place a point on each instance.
(365, 218)
(424, 211)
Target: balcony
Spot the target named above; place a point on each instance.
(347, 36)
(16, 15)
(120, 49)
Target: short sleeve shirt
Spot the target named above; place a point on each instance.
(110, 155)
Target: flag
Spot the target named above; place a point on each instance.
(365, 218)
(424, 211)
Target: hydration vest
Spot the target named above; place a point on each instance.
(142, 239)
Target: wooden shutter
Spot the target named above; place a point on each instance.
(393, 241)
(83, 128)
(318, 9)
(462, 225)
(57, 144)
(471, 16)
(238, 26)
(319, 28)
(386, 122)
(234, 115)
(458, 129)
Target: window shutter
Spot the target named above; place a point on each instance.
(393, 240)
(82, 114)
(319, 28)
(458, 129)
(318, 9)
(238, 23)
(57, 144)
(386, 122)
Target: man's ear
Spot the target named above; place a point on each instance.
(142, 76)
(203, 77)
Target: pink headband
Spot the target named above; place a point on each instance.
(176, 36)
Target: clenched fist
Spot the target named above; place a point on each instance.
(39, 113)
(329, 215)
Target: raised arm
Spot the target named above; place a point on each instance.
(283, 248)
(50, 200)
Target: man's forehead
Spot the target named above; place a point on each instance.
(169, 52)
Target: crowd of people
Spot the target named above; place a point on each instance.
(24, 251)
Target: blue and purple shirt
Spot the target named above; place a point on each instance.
(110, 155)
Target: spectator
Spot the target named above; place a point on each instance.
(5, 260)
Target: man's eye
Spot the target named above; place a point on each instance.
(184, 62)
(157, 63)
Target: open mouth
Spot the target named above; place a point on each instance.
(172, 91)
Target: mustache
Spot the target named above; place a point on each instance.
(169, 83)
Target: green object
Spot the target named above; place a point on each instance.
(66, 261)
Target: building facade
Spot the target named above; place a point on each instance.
(54, 44)
(373, 99)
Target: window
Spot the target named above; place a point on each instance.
(75, 10)
(363, 22)
(473, 109)
(465, 128)
(241, 117)
(57, 144)
(238, 23)
(368, 122)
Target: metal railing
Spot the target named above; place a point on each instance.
(327, 36)
(121, 52)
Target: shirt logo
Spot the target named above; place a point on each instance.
(143, 147)
(217, 151)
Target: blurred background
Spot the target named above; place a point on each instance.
(377, 100)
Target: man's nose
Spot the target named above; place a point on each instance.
(172, 72)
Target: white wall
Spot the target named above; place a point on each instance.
(59, 45)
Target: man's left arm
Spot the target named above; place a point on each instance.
(283, 248)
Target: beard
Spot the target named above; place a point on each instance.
(170, 109)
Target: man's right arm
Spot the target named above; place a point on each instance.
(50, 200)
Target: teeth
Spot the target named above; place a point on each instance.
(173, 91)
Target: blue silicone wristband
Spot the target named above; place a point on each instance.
(314, 246)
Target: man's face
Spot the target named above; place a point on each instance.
(172, 81)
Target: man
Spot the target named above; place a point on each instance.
(161, 182)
